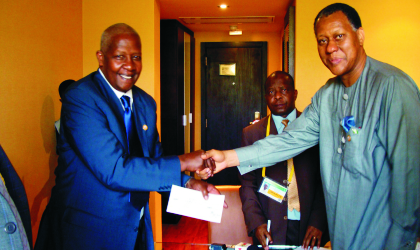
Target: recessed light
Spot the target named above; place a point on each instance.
(223, 6)
(235, 32)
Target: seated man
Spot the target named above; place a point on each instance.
(299, 218)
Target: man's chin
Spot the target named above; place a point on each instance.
(279, 113)
(336, 70)
(125, 86)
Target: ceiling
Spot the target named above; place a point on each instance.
(174, 9)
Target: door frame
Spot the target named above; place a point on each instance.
(203, 49)
(172, 86)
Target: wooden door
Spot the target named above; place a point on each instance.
(230, 101)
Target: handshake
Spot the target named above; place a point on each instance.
(206, 164)
(196, 162)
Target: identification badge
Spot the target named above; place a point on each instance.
(272, 189)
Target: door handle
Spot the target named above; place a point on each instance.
(184, 120)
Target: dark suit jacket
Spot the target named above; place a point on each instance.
(258, 208)
(89, 206)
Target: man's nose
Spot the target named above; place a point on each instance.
(332, 46)
(129, 64)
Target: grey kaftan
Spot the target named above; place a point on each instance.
(371, 180)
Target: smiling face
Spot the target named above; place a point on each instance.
(280, 94)
(340, 47)
(121, 62)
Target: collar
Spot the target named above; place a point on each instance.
(118, 93)
(278, 119)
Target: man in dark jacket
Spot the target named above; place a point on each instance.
(300, 217)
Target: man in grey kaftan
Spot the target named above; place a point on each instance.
(370, 169)
(371, 183)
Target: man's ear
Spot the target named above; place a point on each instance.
(360, 35)
(296, 93)
(100, 57)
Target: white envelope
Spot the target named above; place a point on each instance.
(191, 203)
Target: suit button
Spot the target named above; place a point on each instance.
(284, 181)
(285, 199)
(10, 227)
(285, 217)
(136, 229)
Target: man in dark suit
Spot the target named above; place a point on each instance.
(110, 157)
(300, 219)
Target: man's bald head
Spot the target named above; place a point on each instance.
(285, 77)
(116, 29)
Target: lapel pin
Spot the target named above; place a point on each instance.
(145, 127)
(348, 138)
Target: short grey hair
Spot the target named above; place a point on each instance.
(113, 30)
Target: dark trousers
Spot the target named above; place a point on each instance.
(140, 241)
(292, 235)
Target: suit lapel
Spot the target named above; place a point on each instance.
(115, 104)
(139, 111)
(140, 116)
(273, 128)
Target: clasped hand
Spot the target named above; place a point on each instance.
(218, 160)
(211, 162)
(194, 162)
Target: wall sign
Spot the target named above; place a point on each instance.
(228, 69)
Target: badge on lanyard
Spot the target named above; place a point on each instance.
(269, 187)
(272, 189)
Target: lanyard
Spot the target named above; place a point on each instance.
(289, 162)
(1, 178)
(267, 133)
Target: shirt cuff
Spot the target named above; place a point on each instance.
(248, 159)
(184, 179)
